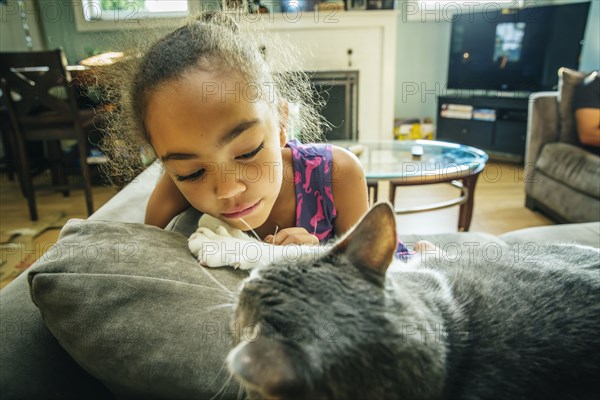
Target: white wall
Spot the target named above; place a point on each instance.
(590, 57)
(422, 50)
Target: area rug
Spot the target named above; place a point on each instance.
(19, 248)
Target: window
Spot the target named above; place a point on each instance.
(117, 10)
(102, 15)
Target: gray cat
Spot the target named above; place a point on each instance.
(348, 326)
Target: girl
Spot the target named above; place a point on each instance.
(207, 101)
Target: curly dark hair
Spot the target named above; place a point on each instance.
(211, 41)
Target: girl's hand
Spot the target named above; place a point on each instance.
(292, 236)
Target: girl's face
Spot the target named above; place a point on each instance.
(220, 144)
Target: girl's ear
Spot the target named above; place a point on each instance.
(283, 121)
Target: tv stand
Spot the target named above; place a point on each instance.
(495, 124)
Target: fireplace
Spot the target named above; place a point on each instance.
(361, 44)
(340, 91)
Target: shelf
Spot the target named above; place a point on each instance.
(503, 138)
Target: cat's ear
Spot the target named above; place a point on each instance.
(269, 367)
(373, 241)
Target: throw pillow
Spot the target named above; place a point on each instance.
(568, 79)
(132, 306)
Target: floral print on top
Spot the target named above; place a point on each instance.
(315, 209)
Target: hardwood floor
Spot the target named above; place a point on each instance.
(14, 213)
(499, 204)
(499, 208)
(23, 241)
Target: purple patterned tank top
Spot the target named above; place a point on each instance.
(315, 209)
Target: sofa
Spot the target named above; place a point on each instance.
(562, 180)
(117, 309)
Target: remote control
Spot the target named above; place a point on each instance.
(417, 150)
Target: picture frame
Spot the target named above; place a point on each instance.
(295, 6)
(381, 4)
(356, 4)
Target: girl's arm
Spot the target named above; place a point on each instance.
(166, 201)
(349, 187)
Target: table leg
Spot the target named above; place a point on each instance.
(372, 185)
(466, 209)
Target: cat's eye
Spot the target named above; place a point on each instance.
(191, 177)
(253, 153)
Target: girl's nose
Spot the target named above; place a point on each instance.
(228, 185)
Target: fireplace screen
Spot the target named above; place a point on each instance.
(340, 91)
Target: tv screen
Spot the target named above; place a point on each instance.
(515, 50)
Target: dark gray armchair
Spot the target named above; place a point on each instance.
(562, 179)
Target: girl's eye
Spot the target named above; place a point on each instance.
(248, 156)
(191, 177)
(198, 174)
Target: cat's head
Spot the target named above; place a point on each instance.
(319, 327)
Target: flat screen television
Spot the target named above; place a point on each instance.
(515, 49)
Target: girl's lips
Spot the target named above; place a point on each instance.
(242, 212)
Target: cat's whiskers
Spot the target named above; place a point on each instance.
(219, 306)
(256, 235)
(250, 229)
(204, 271)
(225, 384)
(240, 390)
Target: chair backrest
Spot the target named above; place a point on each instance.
(38, 82)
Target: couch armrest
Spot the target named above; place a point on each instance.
(129, 205)
(33, 365)
(587, 234)
(542, 124)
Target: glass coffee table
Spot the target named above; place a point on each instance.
(422, 162)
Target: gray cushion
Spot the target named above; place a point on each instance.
(132, 306)
(457, 244)
(568, 80)
(136, 193)
(573, 166)
(450, 240)
(567, 204)
(586, 234)
(33, 365)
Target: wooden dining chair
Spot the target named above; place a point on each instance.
(41, 104)
(6, 161)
